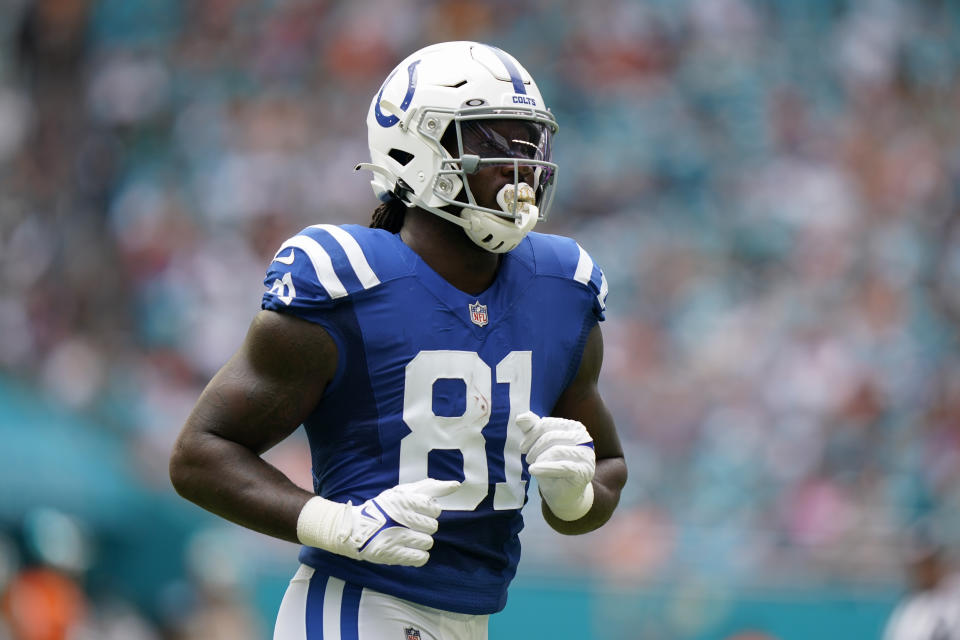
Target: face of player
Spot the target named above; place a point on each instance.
(507, 139)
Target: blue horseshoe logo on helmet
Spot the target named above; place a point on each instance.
(388, 121)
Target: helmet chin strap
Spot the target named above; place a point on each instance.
(494, 233)
(489, 231)
(498, 234)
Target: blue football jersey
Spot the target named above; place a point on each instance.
(429, 382)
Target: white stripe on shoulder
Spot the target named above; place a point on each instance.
(584, 267)
(354, 254)
(321, 264)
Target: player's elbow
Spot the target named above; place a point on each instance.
(182, 467)
(615, 473)
(178, 470)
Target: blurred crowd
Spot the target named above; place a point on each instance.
(772, 187)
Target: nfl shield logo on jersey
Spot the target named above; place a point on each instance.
(411, 634)
(478, 313)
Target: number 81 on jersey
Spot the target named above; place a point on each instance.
(429, 431)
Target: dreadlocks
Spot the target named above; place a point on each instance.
(389, 215)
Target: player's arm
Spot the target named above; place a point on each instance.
(259, 397)
(582, 404)
(266, 390)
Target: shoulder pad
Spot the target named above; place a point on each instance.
(564, 258)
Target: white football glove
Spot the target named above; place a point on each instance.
(396, 527)
(561, 457)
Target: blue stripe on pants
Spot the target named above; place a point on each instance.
(350, 612)
(314, 621)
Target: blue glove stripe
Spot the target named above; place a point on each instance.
(586, 444)
(390, 522)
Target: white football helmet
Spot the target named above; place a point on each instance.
(439, 117)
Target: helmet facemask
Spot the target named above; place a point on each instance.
(482, 137)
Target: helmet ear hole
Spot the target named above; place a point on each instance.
(401, 156)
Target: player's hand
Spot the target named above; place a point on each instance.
(561, 457)
(396, 527)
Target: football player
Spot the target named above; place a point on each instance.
(438, 361)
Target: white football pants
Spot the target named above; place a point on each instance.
(319, 607)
